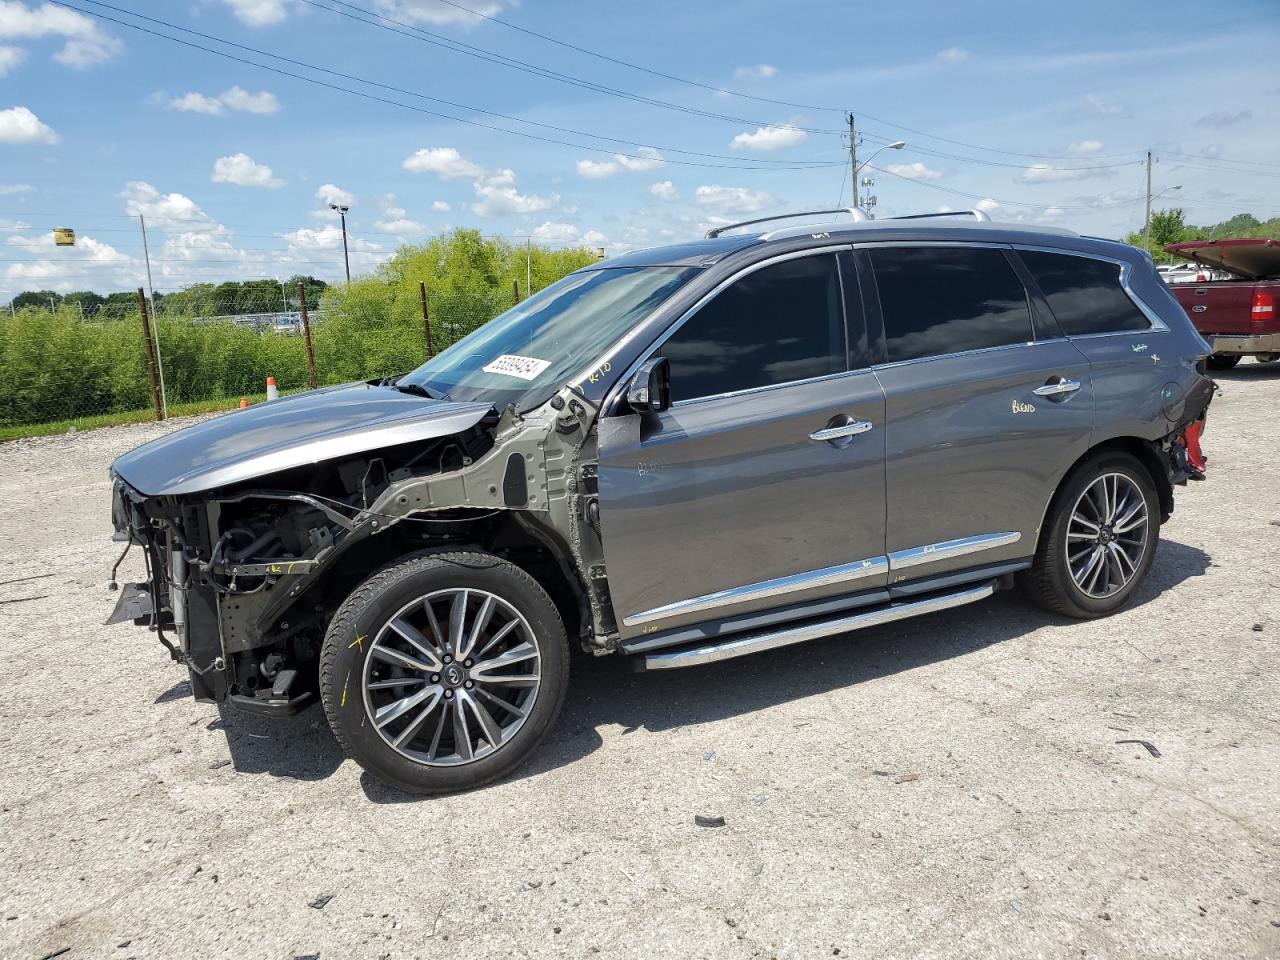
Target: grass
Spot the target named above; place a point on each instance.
(21, 430)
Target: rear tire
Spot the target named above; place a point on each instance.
(1223, 361)
(1092, 554)
(444, 671)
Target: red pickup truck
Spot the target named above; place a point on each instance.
(1237, 316)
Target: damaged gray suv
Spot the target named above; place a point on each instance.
(680, 455)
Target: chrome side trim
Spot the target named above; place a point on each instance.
(948, 549)
(825, 577)
(711, 653)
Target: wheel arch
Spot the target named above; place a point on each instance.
(1145, 452)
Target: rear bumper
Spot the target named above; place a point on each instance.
(1231, 343)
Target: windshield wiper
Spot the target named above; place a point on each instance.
(417, 390)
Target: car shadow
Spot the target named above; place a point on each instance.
(1247, 370)
(607, 691)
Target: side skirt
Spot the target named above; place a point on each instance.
(768, 640)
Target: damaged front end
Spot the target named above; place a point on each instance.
(244, 577)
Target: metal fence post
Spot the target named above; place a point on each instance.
(151, 355)
(306, 336)
(426, 316)
(515, 292)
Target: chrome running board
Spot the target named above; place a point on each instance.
(754, 643)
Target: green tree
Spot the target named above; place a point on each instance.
(36, 298)
(88, 300)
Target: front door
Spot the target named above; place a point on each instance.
(735, 500)
(984, 419)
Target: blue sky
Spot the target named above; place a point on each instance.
(1035, 111)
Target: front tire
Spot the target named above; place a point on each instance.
(1099, 541)
(444, 671)
(1222, 361)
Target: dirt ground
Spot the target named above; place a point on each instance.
(946, 787)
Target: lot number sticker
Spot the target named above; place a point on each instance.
(510, 365)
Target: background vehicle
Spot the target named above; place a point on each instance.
(683, 455)
(1237, 315)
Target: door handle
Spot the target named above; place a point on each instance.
(840, 431)
(1058, 388)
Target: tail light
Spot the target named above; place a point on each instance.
(1264, 305)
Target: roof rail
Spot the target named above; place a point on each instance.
(858, 217)
(979, 215)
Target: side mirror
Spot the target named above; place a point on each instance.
(650, 386)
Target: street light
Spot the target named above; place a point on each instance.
(342, 209)
(856, 168)
(896, 145)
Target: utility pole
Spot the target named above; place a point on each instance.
(346, 258)
(151, 357)
(853, 158)
(1146, 225)
(146, 253)
(306, 335)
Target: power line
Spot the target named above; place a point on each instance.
(736, 163)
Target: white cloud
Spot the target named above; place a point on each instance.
(953, 55)
(768, 138)
(1052, 213)
(262, 102)
(445, 162)
(10, 57)
(664, 190)
(168, 211)
(439, 14)
(645, 158)
(1086, 147)
(1047, 173)
(986, 205)
(1096, 104)
(237, 98)
(756, 71)
(331, 193)
(258, 13)
(395, 221)
(1224, 118)
(567, 233)
(242, 170)
(20, 125)
(440, 206)
(914, 171)
(91, 257)
(733, 199)
(13, 189)
(196, 103)
(498, 196)
(85, 43)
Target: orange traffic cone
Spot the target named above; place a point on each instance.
(272, 392)
(244, 402)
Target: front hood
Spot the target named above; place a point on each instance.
(292, 432)
(1253, 258)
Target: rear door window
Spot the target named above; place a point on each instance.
(778, 324)
(940, 300)
(1084, 293)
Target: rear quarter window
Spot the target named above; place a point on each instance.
(1084, 293)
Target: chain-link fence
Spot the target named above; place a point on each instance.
(64, 366)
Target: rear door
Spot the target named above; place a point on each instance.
(985, 411)
(733, 501)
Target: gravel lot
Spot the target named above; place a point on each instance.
(949, 787)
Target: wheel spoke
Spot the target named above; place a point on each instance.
(388, 655)
(461, 734)
(417, 723)
(526, 651)
(1087, 524)
(1094, 556)
(398, 708)
(1124, 562)
(457, 621)
(396, 682)
(414, 637)
(498, 702)
(1099, 567)
(440, 641)
(481, 621)
(434, 750)
(498, 634)
(1134, 518)
(488, 726)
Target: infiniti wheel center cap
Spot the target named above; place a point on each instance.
(453, 675)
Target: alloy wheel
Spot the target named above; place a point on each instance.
(1107, 535)
(451, 677)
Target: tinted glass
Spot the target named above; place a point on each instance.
(778, 324)
(938, 300)
(529, 352)
(1084, 294)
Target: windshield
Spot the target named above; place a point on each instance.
(524, 355)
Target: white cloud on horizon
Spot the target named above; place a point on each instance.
(10, 59)
(644, 159)
(445, 162)
(237, 98)
(768, 138)
(1085, 147)
(331, 193)
(914, 171)
(498, 196)
(85, 42)
(755, 71)
(733, 199)
(664, 190)
(20, 125)
(258, 13)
